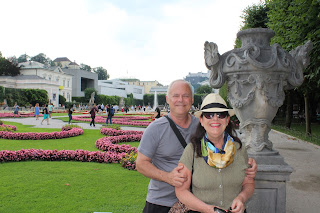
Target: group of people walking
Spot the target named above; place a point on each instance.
(94, 110)
(46, 111)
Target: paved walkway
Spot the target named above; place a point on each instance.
(303, 189)
(57, 123)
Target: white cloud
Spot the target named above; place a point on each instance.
(163, 47)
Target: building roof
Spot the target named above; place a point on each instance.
(73, 63)
(31, 64)
(23, 77)
(61, 59)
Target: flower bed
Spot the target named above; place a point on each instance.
(114, 132)
(113, 152)
(20, 115)
(40, 135)
(54, 155)
(110, 143)
(125, 120)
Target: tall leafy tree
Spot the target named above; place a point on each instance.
(23, 58)
(254, 16)
(13, 59)
(295, 22)
(204, 89)
(102, 73)
(7, 68)
(85, 67)
(42, 58)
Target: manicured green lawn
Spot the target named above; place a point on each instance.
(299, 130)
(66, 186)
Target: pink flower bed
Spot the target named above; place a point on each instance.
(21, 115)
(126, 120)
(114, 132)
(40, 135)
(14, 128)
(54, 155)
(110, 143)
(113, 152)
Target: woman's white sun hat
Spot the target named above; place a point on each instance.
(213, 103)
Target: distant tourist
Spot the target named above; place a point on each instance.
(70, 113)
(93, 111)
(37, 111)
(45, 114)
(110, 111)
(16, 109)
(50, 109)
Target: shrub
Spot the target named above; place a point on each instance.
(128, 161)
(5, 128)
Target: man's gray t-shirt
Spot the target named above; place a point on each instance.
(160, 143)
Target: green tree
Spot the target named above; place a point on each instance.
(8, 68)
(23, 58)
(41, 58)
(87, 94)
(85, 67)
(102, 73)
(295, 22)
(204, 89)
(254, 16)
(13, 60)
(62, 100)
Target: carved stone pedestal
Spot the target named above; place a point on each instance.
(270, 189)
(257, 75)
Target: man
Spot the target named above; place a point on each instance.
(110, 112)
(160, 150)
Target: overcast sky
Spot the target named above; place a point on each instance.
(145, 39)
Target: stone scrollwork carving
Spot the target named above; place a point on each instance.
(302, 60)
(256, 76)
(212, 59)
(256, 134)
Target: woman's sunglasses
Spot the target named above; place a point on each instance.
(210, 115)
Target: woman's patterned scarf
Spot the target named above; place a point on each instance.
(215, 157)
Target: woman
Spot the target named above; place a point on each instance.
(16, 109)
(93, 114)
(215, 162)
(70, 113)
(37, 111)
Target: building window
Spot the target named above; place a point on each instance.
(68, 83)
(63, 94)
(57, 79)
(54, 96)
(68, 97)
(64, 83)
(49, 78)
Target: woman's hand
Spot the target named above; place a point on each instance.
(252, 170)
(238, 205)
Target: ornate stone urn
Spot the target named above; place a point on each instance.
(257, 75)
